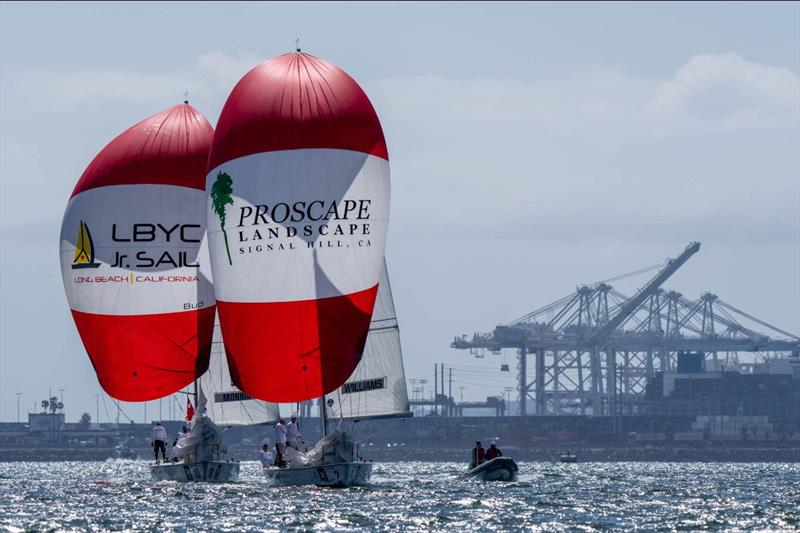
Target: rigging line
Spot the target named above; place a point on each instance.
(382, 429)
(635, 272)
(123, 412)
(179, 406)
(246, 412)
(480, 371)
(540, 310)
(756, 320)
(341, 413)
(486, 374)
(103, 396)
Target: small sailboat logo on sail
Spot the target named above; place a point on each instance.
(84, 250)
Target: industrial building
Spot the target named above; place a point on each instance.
(771, 392)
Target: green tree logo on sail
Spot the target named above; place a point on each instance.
(221, 193)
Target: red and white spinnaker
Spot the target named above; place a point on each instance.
(298, 209)
(130, 249)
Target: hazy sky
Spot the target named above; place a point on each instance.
(533, 147)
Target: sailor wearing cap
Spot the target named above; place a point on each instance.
(293, 438)
(493, 452)
(280, 441)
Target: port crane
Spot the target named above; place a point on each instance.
(597, 347)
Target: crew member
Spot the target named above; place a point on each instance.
(293, 438)
(493, 452)
(280, 441)
(184, 433)
(160, 441)
(267, 459)
(477, 455)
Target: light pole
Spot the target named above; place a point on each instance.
(18, 395)
(414, 394)
(61, 408)
(97, 407)
(422, 383)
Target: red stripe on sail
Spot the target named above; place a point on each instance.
(296, 101)
(169, 148)
(295, 351)
(146, 357)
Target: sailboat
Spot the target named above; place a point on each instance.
(133, 254)
(204, 455)
(376, 389)
(298, 187)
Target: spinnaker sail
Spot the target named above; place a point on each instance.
(297, 214)
(130, 241)
(226, 404)
(377, 387)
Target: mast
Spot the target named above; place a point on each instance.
(323, 415)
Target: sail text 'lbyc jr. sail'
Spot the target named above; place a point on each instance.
(297, 214)
(130, 244)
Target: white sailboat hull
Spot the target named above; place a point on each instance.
(328, 475)
(200, 471)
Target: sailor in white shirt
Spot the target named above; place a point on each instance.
(160, 441)
(293, 434)
(280, 441)
(267, 459)
(182, 434)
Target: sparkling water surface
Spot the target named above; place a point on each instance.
(409, 496)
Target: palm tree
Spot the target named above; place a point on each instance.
(221, 193)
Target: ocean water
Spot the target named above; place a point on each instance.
(409, 497)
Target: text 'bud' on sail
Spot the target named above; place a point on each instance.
(298, 208)
(130, 248)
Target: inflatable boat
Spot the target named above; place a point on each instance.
(498, 469)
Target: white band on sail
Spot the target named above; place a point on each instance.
(134, 249)
(286, 209)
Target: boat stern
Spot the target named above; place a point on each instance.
(200, 471)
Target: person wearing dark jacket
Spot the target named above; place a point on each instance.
(477, 455)
(493, 452)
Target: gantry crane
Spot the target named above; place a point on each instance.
(644, 331)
